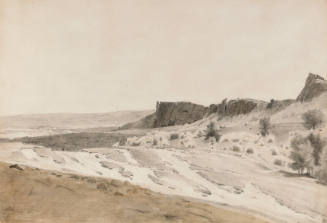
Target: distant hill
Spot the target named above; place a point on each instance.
(71, 120)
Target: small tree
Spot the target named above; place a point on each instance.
(264, 126)
(313, 119)
(322, 176)
(317, 144)
(211, 131)
(301, 155)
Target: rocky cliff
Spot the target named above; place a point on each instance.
(236, 107)
(314, 86)
(178, 113)
(170, 113)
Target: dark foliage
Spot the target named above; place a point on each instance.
(76, 141)
(211, 131)
(264, 126)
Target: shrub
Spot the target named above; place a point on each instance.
(313, 119)
(274, 153)
(211, 131)
(122, 142)
(155, 142)
(236, 149)
(278, 162)
(264, 126)
(249, 151)
(174, 136)
(136, 143)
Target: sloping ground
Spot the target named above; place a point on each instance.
(218, 176)
(144, 123)
(33, 195)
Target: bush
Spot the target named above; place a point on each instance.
(236, 149)
(155, 142)
(274, 153)
(313, 119)
(122, 142)
(278, 162)
(211, 131)
(136, 143)
(249, 151)
(174, 136)
(264, 126)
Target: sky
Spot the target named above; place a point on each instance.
(109, 55)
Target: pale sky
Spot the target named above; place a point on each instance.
(109, 55)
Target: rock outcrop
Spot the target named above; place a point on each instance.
(238, 106)
(315, 85)
(277, 105)
(169, 114)
(178, 113)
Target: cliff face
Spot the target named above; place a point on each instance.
(178, 113)
(238, 106)
(314, 86)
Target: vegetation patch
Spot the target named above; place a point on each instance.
(174, 136)
(76, 141)
(249, 151)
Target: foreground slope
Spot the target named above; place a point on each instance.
(33, 195)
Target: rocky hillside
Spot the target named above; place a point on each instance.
(169, 114)
(179, 113)
(315, 85)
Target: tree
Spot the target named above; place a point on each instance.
(264, 126)
(322, 176)
(317, 143)
(211, 131)
(301, 155)
(271, 104)
(313, 119)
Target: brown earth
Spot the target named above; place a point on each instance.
(33, 195)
